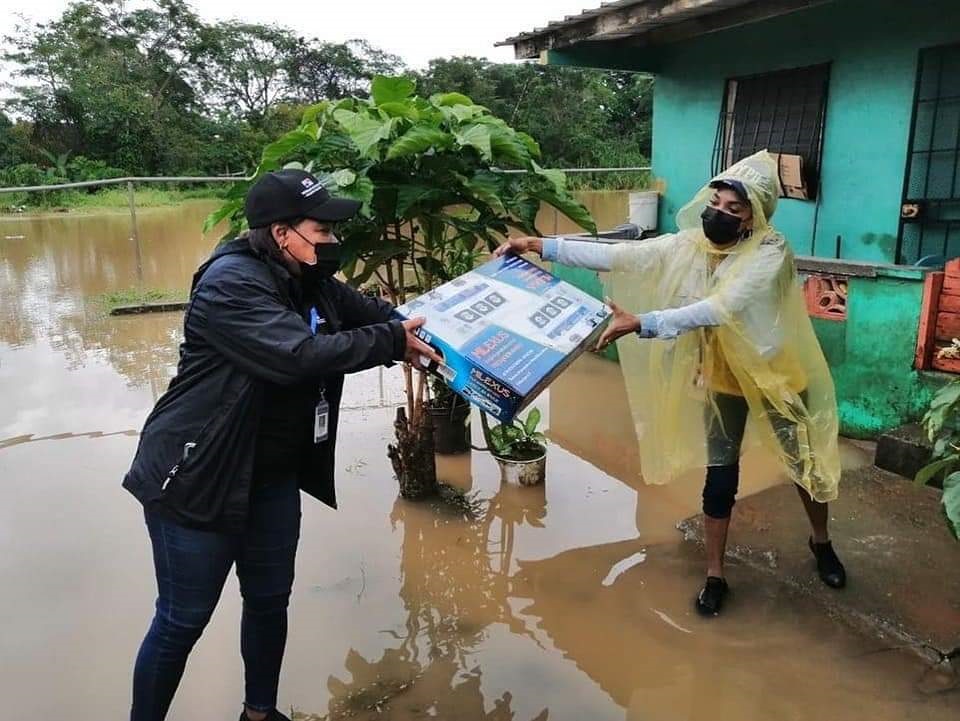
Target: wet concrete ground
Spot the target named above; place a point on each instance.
(571, 601)
(902, 587)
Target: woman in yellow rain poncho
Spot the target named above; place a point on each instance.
(735, 342)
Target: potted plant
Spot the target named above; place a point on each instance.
(519, 448)
(450, 416)
(428, 172)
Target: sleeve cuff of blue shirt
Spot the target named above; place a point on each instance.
(649, 325)
(551, 247)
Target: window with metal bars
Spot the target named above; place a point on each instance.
(930, 214)
(782, 112)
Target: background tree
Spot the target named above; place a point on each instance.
(148, 87)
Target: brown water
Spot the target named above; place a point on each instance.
(570, 601)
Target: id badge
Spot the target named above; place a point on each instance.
(321, 421)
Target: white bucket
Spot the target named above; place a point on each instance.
(643, 209)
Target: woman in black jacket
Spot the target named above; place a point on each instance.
(248, 421)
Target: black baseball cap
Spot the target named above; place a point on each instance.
(287, 194)
(730, 184)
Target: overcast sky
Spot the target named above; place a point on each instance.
(416, 30)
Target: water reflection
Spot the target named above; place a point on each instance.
(455, 561)
(54, 268)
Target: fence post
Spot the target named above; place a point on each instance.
(134, 235)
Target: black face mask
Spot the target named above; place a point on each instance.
(719, 227)
(328, 261)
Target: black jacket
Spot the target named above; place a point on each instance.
(244, 330)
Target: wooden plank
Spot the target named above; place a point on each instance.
(948, 365)
(949, 303)
(952, 267)
(948, 326)
(932, 285)
(951, 284)
(148, 308)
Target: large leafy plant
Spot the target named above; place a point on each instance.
(429, 173)
(942, 424)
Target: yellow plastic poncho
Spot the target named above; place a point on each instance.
(764, 350)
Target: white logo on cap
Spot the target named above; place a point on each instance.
(311, 186)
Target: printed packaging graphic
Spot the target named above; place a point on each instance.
(505, 331)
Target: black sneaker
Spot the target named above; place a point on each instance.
(710, 599)
(274, 715)
(829, 567)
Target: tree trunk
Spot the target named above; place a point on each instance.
(412, 455)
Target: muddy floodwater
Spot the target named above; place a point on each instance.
(571, 601)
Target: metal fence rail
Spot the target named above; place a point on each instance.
(128, 181)
(132, 181)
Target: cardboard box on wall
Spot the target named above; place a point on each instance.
(506, 330)
(791, 176)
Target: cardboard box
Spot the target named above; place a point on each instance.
(505, 330)
(791, 176)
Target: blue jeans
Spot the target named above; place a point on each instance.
(191, 568)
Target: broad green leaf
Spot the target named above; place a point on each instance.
(506, 147)
(462, 113)
(311, 113)
(487, 186)
(449, 99)
(493, 121)
(951, 503)
(556, 177)
(476, 136)
(533, 420)
(398, 109)
(386, 89)
(293, 165)
(410, 195)
(333, 145)
(282, 148)
(224, 212)
(931, 470)
(533, 147)
(343, 177)
(360, 189)
(568, 205)
(524, 208)
(365, 131)
(434, 267)
(417, 139)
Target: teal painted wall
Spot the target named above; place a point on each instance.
(871, 356)
(872, 46)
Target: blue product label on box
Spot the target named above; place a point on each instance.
(504, 330)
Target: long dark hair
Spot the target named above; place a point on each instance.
(263, 242)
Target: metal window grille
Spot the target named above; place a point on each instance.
(782, 112)
(930, 213)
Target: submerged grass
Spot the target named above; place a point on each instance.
(79, 201)
(139, 296)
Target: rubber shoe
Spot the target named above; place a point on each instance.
(710, 599)
(829, 567)
(274, 715)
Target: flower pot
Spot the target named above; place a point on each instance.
(451, 429)
(531, 472)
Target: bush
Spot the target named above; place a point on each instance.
(81, 169)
